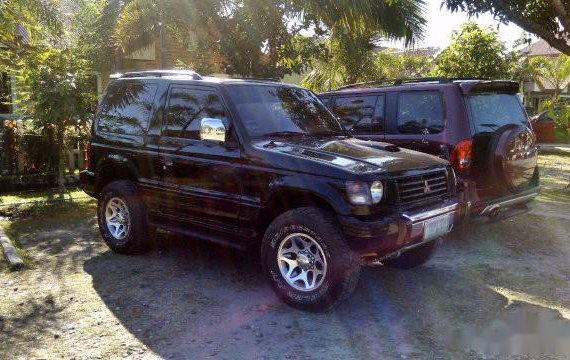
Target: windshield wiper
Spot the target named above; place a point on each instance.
(285, 133)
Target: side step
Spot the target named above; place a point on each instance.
(202, 235)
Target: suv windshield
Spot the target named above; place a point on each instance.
(490, 111)
(282, 111)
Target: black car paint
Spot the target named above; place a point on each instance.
(228, 188)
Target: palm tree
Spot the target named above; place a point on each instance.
(354, 27)
(136, 24)
(139, 23)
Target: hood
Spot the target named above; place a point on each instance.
(353, 155)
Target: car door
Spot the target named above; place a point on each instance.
(362, 115)
(416, 120)
(205, 174)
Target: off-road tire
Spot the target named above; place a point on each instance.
(343, 266)
(139, 236)
(415, 257)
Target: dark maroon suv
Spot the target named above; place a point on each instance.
(480, 126)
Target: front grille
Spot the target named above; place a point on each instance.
(413, 188)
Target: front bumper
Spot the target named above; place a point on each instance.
(377, 238)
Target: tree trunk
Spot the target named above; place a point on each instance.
(61, 171)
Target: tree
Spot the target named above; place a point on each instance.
(551, 72)
(403, 65)
(346, 58)
(353, 29)
(548, 19)
(475, 52)
(54, 86)
(17, 17)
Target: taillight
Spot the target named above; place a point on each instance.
(461, 156)
(86, 159)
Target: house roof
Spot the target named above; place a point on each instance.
(540, 48)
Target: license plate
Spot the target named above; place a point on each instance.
(436, 227)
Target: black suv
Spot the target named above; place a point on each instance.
(480, 126)
(259, 163)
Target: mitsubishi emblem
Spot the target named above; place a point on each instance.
(426, 187)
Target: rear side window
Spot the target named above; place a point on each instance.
(490, 111)
(360, 114)
(127, 108)
(186, 109)
(420, 112)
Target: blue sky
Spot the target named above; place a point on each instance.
(441, 24)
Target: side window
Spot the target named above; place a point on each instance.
(356, 113)
(420, 112)
(127, 108)
(186, 109)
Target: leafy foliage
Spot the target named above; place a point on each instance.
(551, 72)
(475, 52)
(403, 65)
(549, 19)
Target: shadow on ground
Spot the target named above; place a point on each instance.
(191, 300)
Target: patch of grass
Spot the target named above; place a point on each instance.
(39, 196)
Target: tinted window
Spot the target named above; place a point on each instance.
(282, 111)
(420, 113)
(490, 111)
(360, 113)
(186, 109)
(127, 108)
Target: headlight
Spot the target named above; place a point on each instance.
(361, 193)
(376, 191)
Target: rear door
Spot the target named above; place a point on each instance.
(416, 120)
(361, 115)
(205, 174)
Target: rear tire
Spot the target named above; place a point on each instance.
(415, 257)
(122, 218)
(315, 253)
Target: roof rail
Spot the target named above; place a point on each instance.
(161, 73)
(398, 82)
(255, 79)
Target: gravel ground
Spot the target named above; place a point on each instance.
(498, 290)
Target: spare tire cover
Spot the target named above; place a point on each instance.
(513, 157)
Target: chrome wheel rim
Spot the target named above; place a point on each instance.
(117, 218)
(302, 262)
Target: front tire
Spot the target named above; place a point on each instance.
(307, 260)
(415, 257)
(122, 218)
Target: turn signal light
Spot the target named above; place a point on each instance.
(461, 156)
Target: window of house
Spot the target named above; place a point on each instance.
(5, 94)
(186, 109)
(127, 108)
(420, 112)
(359, 113)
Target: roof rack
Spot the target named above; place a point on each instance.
(255, 79)
(398, 82)
(160, 73)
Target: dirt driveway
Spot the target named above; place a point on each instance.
(493, 291)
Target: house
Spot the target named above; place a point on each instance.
(535, 93)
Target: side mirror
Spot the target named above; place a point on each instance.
(212, 129)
